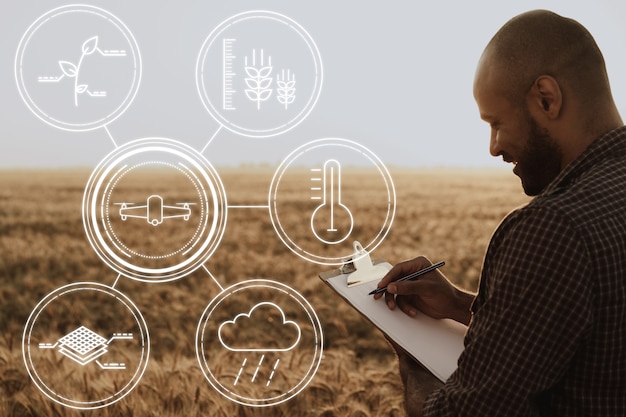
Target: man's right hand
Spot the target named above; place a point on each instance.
(432, 294)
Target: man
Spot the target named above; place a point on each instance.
(547, 329)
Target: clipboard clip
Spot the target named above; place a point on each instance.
(362, 268)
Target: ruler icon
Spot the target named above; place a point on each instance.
(227, 74)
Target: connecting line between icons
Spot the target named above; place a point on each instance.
(212, 277)
(211, 140)
(106, 129)
(116, 279)
(247, 207)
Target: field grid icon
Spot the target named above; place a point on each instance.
(83, 345)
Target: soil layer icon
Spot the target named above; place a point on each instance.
(84, 346)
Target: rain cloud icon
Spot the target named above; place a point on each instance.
(283, 335)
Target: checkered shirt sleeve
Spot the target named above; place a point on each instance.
(533, 312)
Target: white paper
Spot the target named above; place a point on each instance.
(436, 344)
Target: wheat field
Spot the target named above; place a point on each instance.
(444, 214)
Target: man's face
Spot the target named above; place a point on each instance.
(516, 136)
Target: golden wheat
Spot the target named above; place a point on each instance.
(444, 214)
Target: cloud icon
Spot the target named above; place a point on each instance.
(263, 329)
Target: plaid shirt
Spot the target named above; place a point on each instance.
(548, 332)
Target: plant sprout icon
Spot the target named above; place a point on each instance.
(84, 346)
(331, 221)
(72, 70)
(231, 333)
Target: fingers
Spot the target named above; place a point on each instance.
(404, 303)
(399, 288)
(390, 299)
(402, 295)
(402, 269)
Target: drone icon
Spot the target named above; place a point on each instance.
(154, 211)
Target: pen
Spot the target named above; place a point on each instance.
(412, 276)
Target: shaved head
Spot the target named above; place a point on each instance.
(542, 86)
(543, 43)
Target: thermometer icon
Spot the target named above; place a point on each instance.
(331, 221)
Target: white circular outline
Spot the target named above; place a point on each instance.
(223, 121)
(116, 238)
(218, 212)
(42, 115)
(90, 286)
(298, 298)
(284, 165)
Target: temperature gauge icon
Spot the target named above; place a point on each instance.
(328, 193)
(331, 221)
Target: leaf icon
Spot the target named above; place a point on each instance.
(68, 68)
(251, 83)
(90, 45)
(265, 72)
(265, 83)
(265, 94)
(252, 72)
(81, 88)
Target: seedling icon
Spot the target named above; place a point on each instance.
(71, 70)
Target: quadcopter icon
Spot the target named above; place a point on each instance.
(154, 211)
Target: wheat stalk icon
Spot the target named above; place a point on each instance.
(259, 79)
(286, 88)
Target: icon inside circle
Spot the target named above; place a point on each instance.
(332, 220)
(78, 67)
(341, 190)
(84, 346)
(259, 343)
(154, 209)
(259, 74)
(83, 335)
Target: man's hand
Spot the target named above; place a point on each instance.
(432, 293)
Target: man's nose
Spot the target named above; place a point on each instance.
(494, 146)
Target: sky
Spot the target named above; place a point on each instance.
(396, 77)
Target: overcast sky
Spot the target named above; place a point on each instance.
(397, 78)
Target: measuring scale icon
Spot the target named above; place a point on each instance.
(331, 221)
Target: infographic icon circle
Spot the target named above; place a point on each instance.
(259, 74)
(78, 67)
(154, 210)
(327, 194)
(81, 358)
(259, 343)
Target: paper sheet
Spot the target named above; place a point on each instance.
(436, 344)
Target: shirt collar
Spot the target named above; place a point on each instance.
(607, 145)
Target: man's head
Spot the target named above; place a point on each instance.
(541, 84)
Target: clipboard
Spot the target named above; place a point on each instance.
(436, 344)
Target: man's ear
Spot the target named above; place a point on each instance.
(545, 97)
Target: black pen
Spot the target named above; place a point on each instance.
(412, 276)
